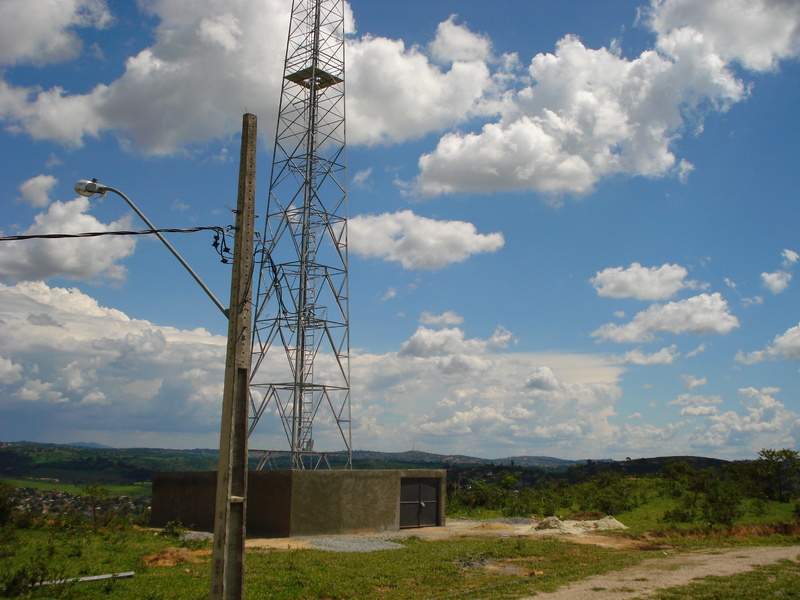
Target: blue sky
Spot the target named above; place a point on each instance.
(573, 226)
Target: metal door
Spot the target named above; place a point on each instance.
(419, 502)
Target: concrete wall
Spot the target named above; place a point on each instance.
(187, 497)
(294, 503)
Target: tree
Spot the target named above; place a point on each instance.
(722, 504)
(7, 493)
(94, 494)
(780, 472)
(506, 480)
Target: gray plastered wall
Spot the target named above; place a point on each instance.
(295, 503)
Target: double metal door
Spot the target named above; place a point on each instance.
(419, 502)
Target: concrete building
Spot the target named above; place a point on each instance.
(296, 503)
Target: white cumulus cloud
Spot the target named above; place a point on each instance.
(543, 378)
(691, 381)
(665, 356)
(395, 93)
(163, 100)
(785, 345)
(452, 340)
(86, 258)
(42, 31)
(590, 114)
(694, 400)
(776, 282)
(36, 190)
(417, 242)
(755, 33)
(454, 42)
(77, 366)
(446, 318)
(706, 313)
(765, 421)
(643, 283)
(10, 372)
(789, 257)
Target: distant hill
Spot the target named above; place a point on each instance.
(412, 457)
(641, 467)
(89, 463)
(89, 445)
(81, 465)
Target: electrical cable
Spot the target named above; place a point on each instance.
(220, 239)
(275, 284)
(14, 238)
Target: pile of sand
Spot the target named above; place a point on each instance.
(556, 524)
(609, 523)
(550, 523)
(169, 557)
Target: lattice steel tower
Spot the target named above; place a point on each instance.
(301, 340)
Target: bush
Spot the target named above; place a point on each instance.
(680, 514)
(722, 505)
(609, 493)
(173, 529)
(9, 542)
(17, 581)
(7, 494)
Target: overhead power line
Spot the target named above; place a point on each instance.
(220, 243)
(42, 236)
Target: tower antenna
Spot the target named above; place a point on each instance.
(300, 374)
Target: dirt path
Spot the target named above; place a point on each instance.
(669, 571)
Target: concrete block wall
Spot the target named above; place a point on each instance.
(294, 503)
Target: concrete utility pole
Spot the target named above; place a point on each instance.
(227, 565)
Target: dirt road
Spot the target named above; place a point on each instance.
(669, 571)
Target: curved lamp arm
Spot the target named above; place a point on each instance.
(90, 188)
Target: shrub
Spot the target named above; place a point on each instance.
(722, 505)
(7, 494)
(173, 529)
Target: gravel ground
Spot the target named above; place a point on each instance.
(352, 543)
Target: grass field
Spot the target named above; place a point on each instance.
(132, 491)
(422, 569)
(486, 568)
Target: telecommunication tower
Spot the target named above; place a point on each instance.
(300, 373)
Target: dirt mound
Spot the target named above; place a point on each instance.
(550, 523)
(604, 524)
(169, 557)
(610, 523)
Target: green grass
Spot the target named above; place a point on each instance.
(423, 569)
(428, 569)
(133, 491)
(646, 517)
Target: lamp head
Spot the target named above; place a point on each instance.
(88, 188)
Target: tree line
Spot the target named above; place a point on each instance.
(716, 496)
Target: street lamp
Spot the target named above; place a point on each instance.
(87, 188)
(227, 561)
